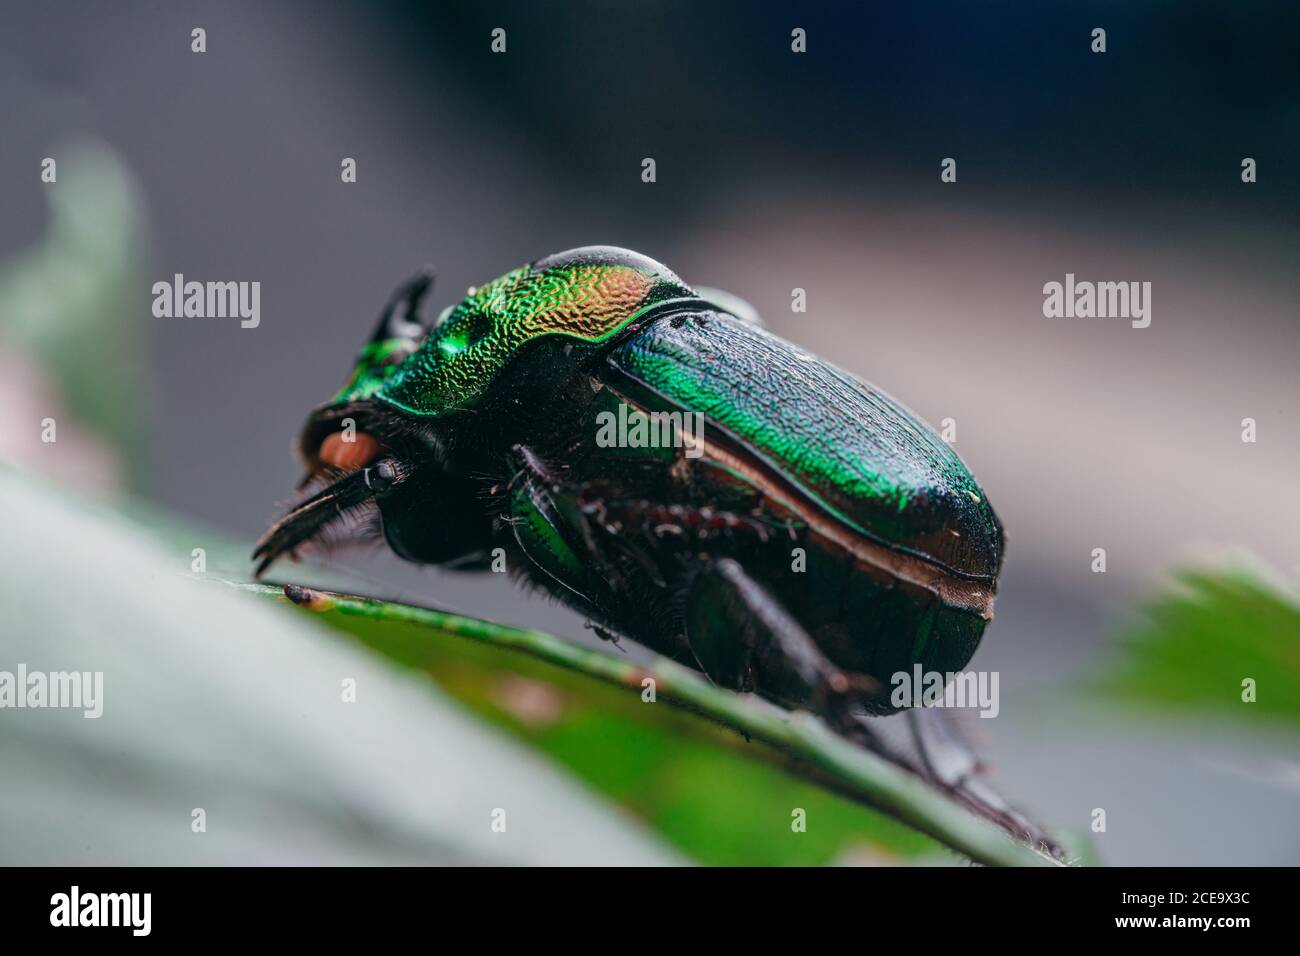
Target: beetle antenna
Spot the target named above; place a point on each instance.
(306, 520)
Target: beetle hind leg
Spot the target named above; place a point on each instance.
(742, 638)
(948, 760)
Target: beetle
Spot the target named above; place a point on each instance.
(811, 538)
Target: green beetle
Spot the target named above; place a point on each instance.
(651, 456)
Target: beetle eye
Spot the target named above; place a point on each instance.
(381, 477)
(385, 475)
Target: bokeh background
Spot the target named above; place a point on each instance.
(774, 171)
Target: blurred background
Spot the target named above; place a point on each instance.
(775, 171)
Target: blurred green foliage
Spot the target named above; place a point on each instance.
(75, 302)
(1195, 646)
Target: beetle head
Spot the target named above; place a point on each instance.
(381, 437)
(415, 371)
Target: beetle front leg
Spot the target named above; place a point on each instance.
(564, 550)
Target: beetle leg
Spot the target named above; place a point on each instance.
(538, 494)
(743, 638)
(949, 761)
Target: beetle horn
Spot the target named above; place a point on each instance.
(403, 317)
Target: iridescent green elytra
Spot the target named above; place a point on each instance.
(808, 541)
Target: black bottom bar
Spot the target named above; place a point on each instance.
(334, 905)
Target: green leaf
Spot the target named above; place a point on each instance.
(1194, 647)
(822, 756)
(715, 796)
